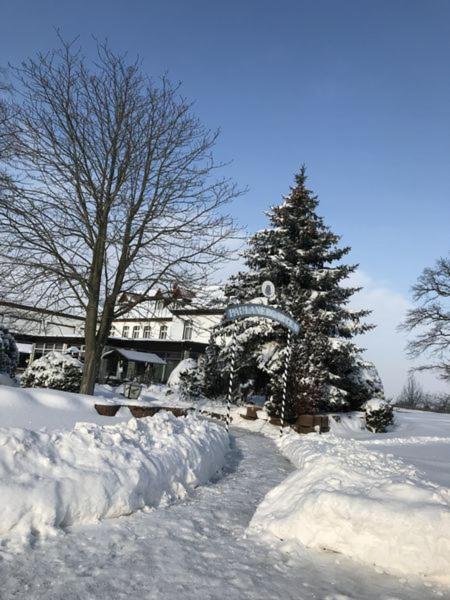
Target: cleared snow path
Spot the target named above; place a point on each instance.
(196, 549)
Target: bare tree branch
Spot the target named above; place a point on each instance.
(430, 320)
(113, 190)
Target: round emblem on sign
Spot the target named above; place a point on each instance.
(268, 289)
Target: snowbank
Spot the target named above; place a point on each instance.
(367, 505)
(51, 481)
(37, 408)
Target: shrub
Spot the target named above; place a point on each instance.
(9, 355)
(54, 370)
(379, 415)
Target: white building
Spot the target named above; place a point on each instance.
(173, 325)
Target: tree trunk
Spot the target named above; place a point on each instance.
(91, 353)
(95, 340)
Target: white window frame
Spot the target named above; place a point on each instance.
(188, 330)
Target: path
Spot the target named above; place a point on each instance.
(196, 549)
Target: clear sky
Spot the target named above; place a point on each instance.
(357, 90)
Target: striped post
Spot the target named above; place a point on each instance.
(230, 383)
(285, 376)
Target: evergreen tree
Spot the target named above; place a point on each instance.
(9, 354)
(302, 257)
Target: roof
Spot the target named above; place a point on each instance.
(45, 311)
(24, 348)
(135, 356)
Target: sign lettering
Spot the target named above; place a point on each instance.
(241, 311)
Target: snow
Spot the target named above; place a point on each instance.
(37, 408)
(389, 509)
(188, 364)
(50, 481)
(374, 405)
(5, 379)
(379, 499)
(197, 549)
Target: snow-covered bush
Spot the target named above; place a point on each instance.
(9, 355)
(184, 366)
(54, 370)
(379, 415)
(190, 384)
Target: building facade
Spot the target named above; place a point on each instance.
(173, 326)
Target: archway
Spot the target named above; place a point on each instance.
(236, 312)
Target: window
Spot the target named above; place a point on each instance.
(125, 331)
(163, 332)
(159, 305)
(136, 331)
(187, 330)
(147, 331)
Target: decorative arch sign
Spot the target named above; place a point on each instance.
(241, 311)
(245, 311)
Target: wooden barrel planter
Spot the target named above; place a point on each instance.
(143, 411)
(252, 412)
(177, 411)
(107, 410)
(150, 411)
(311, 424)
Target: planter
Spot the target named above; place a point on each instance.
(311, 424)
(107, 410)
(150, 411)
(176, 411)
(143, 411)
(252, 412)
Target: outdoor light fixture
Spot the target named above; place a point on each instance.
(132, 390)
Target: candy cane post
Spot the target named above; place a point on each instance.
(232, 369)
(285, 376)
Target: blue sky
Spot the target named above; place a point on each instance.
(358, 90)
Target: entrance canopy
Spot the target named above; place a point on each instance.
(24, 348)
(135, 356)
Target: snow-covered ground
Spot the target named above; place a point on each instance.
(50, 480)
(360, 515)
(381, 499)
(197, 549)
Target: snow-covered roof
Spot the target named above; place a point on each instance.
(24, 348)
(135, 356)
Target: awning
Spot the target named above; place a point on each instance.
(24, 348)
(135, 356)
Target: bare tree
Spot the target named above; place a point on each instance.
(114, 192)
(430, 320)
(7, 133)
(412, 394)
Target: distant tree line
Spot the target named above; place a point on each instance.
(413, 396)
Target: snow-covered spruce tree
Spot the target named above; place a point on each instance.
(9, 354)
(302, 257)
(54, 370)
(379, 415)
(190, 382)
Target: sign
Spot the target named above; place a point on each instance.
(241, 311)
(268, 289)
